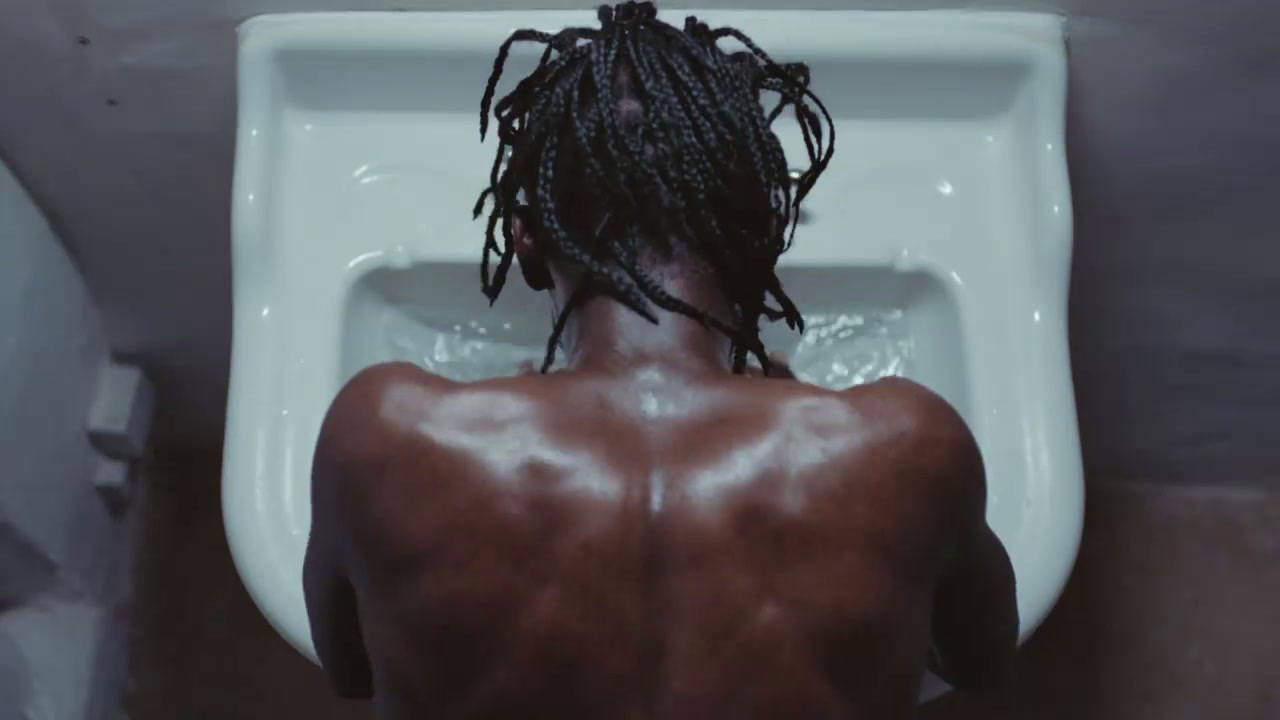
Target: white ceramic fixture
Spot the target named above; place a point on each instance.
(937, 245)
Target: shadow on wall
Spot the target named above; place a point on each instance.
(1168, 615)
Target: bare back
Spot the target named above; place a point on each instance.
(647, 546)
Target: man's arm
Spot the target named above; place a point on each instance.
(975, 610)
(347, 448)
(975, 614)
(335, 624)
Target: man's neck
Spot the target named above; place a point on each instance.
(604, 335)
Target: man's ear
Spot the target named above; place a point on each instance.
(533, 262)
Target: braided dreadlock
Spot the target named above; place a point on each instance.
(638, 137)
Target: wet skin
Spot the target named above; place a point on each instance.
(649, 536)
(649, 546)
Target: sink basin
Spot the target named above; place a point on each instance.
(937, 246)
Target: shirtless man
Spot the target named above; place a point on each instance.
(650, 533)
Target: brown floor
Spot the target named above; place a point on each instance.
(1170, 615)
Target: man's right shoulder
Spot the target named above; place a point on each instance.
(374, 412)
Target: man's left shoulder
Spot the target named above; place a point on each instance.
(908, 403)
(920, 429)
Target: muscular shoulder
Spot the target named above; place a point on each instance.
(374, 408)
(395, 413)
(928, 443)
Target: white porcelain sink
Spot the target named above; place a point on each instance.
(937, 245)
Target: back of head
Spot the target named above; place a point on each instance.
(638, 143)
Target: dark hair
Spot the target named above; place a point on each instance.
(638, 137)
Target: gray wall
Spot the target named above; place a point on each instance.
(119, 115)
(54, 529)
(64, 558)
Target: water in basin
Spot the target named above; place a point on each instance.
(861, 324)
(837, 350)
